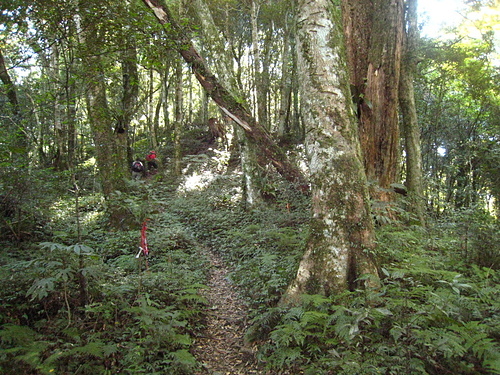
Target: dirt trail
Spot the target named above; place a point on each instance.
(220, 349)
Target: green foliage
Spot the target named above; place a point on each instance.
(424, 319)
(134, 321)
(429, 315)
(263, 245)
(406, 327)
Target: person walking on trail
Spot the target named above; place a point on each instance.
(151, 161)
(137, 169)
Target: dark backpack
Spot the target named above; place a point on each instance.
(137, 166)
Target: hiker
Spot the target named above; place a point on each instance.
(137, 169)
(151, 161)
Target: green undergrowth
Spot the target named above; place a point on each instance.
(436, 312)
(89, 306)
(433, 314)
(262, 245)
(92, 307)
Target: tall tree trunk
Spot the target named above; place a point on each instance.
(70, 90)
(60, 156)
(20, 138)
(373, 31)
(101, 122)
(341, 230)
(130, 84)
(289, 127)
(260, 70)
(215, 43)
(411, 130)
(229, 104)
(283, 130)
(179, 118)
(254, 15)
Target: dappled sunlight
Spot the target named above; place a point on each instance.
(64, 211)
(197, 181)
(202, 170)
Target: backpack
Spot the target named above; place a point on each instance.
(137, 166)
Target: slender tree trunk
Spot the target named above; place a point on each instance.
(70, 90)
(166, 91)
(411, 130)
(101, 123)
(283, 131)
(230, 105)
(178, 119)
(60, 156)
(214, 42)
(341, 232)
(254, 15)
(130, 82)
(252, 172)
(263, 92)
(297, 128)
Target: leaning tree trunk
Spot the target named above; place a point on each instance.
(269, 151)
(373, 31)
(411, 130)
(222, 66)
(341, 231)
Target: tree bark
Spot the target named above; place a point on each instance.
(179, 118)
(222, 66)
(130, 95)
(229, 104)
(10, 88)
(373, 31)
(20, 139)
(341, 231)
(283, 129)
(60, 131)
(411, 130)
(101, 122)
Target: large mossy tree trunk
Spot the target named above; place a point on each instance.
(341, 235)
(373, 31)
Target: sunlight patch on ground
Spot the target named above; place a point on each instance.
(201, 171)
(197, 181)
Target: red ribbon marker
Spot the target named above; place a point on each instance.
(144, 241)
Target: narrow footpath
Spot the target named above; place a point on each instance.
(220, 348)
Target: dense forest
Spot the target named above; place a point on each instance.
(248, 187)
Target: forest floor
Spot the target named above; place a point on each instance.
(221, 347)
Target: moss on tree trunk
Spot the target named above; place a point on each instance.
(341, 234)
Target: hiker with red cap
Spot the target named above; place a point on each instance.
(151, 161)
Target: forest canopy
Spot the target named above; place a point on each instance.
(341, 163)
